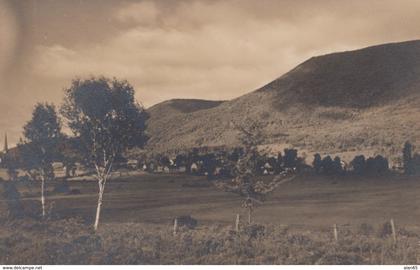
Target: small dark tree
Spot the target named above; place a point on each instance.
(10, 162)
(40, 147)
(12, 197)
(209, 164)
(104, 114)
(327, 165)
(70, 154)
(407, 158)
(164, 161)
(180, 160)
(317, 163)
(290, 158)
(192, 157)
(377, 165)
(245, 182)
(415, 164)
(337, 168)
(278, 167)
(359, 164)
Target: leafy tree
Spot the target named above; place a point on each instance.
(11, 196)
(181, 160)
(236, 154)
(337, 168)
(279, 164)
(407, 158)
(327, 165)
(104, 114)
(415, 164)
(69, 147)
(164, 160)
(192, 157)
(245, 182)
(377, 165)
(290, 158)
(10, 162)
(209, 164)
(359, 164)
(39, 149)
(317, 163)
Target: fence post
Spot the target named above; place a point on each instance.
(394, 235)
(237, 222)
(175, 226)
(335, 233)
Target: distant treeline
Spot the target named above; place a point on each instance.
(221, 163)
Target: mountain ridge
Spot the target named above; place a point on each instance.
(313, 104)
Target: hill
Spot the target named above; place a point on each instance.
(366, 100)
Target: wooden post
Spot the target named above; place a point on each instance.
(175, 226)
(237, 222)
(394, 235)
(335, 233)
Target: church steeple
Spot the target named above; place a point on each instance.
(6, 147)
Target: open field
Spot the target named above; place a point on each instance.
(294, 226)
(309, 201)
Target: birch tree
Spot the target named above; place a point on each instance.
(104, 115)
(39, 149)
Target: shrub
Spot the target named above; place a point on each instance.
(187, 221)
(12, 197)
(61, 187)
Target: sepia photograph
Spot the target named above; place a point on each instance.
(212, 133)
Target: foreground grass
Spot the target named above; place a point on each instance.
(71, 241)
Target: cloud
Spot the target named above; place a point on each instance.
(8, 34)
(222, 49)
(210, 49)
(140, 13)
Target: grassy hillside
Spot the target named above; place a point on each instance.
(359, 101)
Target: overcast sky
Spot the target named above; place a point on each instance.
(178, 49)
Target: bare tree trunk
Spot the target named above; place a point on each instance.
(394, 235)
(43, 195)
(175, 226)
(102, 175)
(335, 233)
(237, 222)
(100, 198)
(249, 215)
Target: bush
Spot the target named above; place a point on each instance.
(254, 231)
(62, 187)
(12, 197)
(366, 229)
(187, 221)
